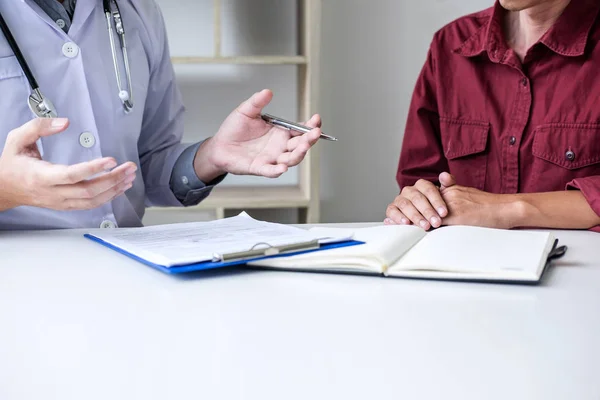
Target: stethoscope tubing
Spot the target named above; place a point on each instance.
(41, 105)
(18, 54)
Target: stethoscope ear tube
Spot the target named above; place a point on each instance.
(42, 106)
(39, 105)
(126, 96)
(15, 48)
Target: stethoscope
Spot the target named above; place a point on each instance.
(39, 104)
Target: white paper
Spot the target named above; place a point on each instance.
(180, 244)
(384, 245)
(472, 250)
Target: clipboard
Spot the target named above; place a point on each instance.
(259, 251)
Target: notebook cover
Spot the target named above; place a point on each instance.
(206, 265)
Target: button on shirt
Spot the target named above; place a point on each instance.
(74, 68)
(62, 14)
(504, 126)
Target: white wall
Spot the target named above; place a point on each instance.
(372, 52)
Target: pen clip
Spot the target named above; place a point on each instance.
(268, 251)
(267, 118)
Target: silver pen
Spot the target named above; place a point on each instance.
(276, 121)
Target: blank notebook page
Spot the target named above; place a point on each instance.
(384, 245)
(468, 249)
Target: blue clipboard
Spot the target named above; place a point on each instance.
(207, 265)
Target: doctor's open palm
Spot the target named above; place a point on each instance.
(27, 180)
(247, 145)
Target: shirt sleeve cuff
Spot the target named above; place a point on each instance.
(185, 184)
(590, 188)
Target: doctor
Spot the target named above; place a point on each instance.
(114, 146)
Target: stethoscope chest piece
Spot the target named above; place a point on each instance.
(41, 106)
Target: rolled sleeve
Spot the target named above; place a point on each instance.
(185, 184)
(590, 188)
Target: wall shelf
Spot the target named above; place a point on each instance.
(243, 60)
(256, 197)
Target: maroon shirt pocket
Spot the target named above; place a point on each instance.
(465, 143)
(563, 152)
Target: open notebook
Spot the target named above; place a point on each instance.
(456, 253)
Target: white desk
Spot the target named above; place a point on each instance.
(78, 321)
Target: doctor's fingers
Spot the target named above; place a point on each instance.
(295, 157)
(88, 190)
(29, 133)
(252, 108)
(99, 199)
(271, 170)
(71, 174)
(314, 122)
(311, 138)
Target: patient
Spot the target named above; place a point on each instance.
(504, 126)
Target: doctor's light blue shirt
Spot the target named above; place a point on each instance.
(76, 72)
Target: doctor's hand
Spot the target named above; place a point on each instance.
(27, 180)
(422, 204)
(246, 145)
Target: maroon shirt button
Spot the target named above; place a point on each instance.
(569, 155)
(512, 140)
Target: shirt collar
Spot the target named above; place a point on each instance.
(568, 36)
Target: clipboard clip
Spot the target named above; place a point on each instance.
(265, 250)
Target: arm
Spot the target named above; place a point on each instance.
(185, 183)
(562, 210)
(569, 209)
